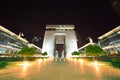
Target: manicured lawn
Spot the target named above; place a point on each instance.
(3, 64)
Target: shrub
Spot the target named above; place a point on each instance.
(44, 54)
(3, 64)
(116, 62)
(75, 53)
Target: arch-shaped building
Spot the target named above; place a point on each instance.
(59, 40)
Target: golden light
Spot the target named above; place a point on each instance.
(68, 59)
(25, 65)
(97, 68)
(39, 60)
(75, 59)
(96, 63)
(81, 61)
(51, 59)
(44, 59)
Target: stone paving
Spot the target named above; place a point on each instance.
(60, 70)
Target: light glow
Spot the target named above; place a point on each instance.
(96, 63)
(25, 66)
(39, 60)
(81, 61)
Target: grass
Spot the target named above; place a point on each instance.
(111, 61)
(115, 62)
(3, 64)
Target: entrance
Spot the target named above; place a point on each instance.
(59, 34)
(59, 50)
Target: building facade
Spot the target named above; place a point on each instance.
(59, 40)
(110, 41)
(10, 42)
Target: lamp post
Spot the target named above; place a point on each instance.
(21, 34)
(90, 40)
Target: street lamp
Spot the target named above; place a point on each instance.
(90, 40)
(21, 34)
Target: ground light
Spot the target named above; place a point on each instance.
(25, 65)
(51, 59)
(69, 59)
(96, 63)
(39, 60)
(81, 61)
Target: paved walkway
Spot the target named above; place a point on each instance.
(60, 70)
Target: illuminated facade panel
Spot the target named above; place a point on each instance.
(10, 42)
(110, 41)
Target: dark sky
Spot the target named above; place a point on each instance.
(92, 18)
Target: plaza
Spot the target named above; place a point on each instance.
(57, 38)
(50, 69)
(60, 40)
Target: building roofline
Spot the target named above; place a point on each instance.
(85, 45)
(11, 33)
(109, 33)
(56, 27)
(36, 46)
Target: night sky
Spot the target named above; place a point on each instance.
(92, 18)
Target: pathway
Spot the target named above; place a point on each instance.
(60, 70)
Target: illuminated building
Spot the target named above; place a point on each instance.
(110, 41)
(59, 40)
(10, 42)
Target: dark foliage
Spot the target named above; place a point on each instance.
(116, 62)
(3, 64)
(44, 54)
(75, 53)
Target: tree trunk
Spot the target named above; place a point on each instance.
(25, 58)
(93, 57)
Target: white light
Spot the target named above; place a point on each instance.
(25, 64)
(96, 63)
(81, 61)
(39, 60)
